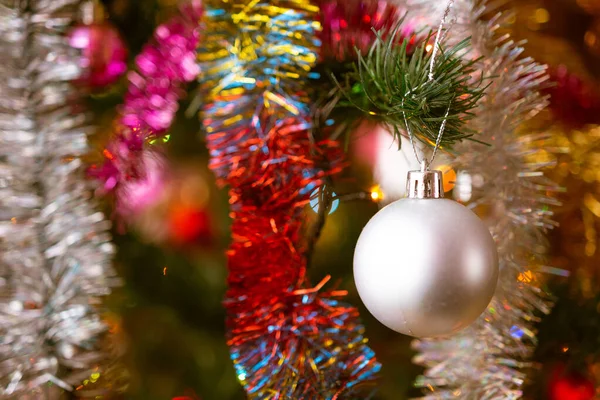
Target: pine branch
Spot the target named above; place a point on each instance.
(391, 81)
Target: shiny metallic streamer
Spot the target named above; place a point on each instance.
(258, 54)
(55, 250)
(489, 360)
(165, 65)
(288, 340)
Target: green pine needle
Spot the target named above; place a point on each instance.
(389, 83)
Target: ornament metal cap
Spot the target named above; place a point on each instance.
(425, 184)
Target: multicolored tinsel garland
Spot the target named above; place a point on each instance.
(489, 360)
(55, 249)
(288, 340)
(151, 102)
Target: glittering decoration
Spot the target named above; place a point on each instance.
(163, 68)
(576, 245)
(489, 360)
(104, 55)
(572, 100)
(55, 250)
(288, 340)
(349, 25)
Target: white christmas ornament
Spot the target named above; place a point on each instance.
(426, 266)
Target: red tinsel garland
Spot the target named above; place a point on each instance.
(287, 339)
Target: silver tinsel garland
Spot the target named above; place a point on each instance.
(489, 360)
(55, 260)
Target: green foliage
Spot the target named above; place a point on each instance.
(391, 82)
(568, 338)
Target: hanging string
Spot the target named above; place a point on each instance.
(424, 163)
(436, 44)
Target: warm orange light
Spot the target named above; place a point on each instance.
(541, 16)
(114, 325)
(449, 177)
(590, 38)
(525, 277)
(108, 154)
(376, 193)
(428, 48)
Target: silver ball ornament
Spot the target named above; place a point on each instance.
(426, 266)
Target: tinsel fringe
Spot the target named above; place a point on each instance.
(55, 263)
(287, 339)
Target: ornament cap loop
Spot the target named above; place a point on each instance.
(425, 184)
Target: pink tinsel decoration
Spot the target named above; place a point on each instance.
(103, 54)
(136, 195)
(163, 68)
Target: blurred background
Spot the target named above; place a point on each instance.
(172, 254)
